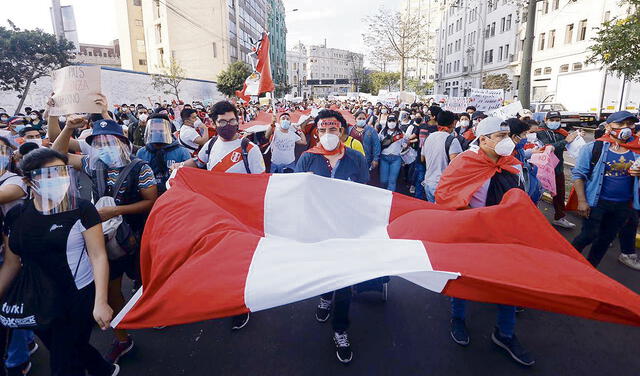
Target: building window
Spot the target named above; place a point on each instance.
(500, 52)
(158, 33)
(552, 39)
(493, 29)
(547, 70)
(545, 7)
(215, 50)
(140, 45)
(541, 42)
(564, 68)
(582, 31)
(138, 22)
(577, 67)
(90, 53)
(506, 51)
(568, 35)
(142, 61)
(508, 26)
(488, 56)
(537, 72)
(137, 3)
(503, 24)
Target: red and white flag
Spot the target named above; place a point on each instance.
(219, 244)
(260, 80)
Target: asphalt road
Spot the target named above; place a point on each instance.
(407, 335)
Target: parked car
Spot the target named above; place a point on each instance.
(569, 119)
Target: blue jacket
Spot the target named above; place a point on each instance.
(370, 143)
(352, 166)
(593, 182)
(530, 172)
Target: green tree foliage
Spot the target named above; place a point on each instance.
(384, 80)
(169, 82)
(616, 41)
(496, 81)
(366, 86)
(233, 78)
(419, 87)
(28, 55)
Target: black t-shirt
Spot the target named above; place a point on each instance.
(421, 131)
(55, 242)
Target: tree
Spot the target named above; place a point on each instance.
(366, 86)
(396, 36)
(614, 43)
(496, 81)
(419, 87)
(233, 78)
(169, 82)
(28, 55)
(383, 80)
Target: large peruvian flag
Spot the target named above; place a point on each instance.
(221, 244)
(260, 80)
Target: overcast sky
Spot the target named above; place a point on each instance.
(339, 21)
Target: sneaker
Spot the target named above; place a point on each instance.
(118, 349)
(563, 222)
(324, 310)
(412, 189)
(240, 321)
(33, 347)
(632, 260)
(343, 347)
(116, 370)
(513, 348)
(459, 332)
(20, 370)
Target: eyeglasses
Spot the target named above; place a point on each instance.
(224, 123)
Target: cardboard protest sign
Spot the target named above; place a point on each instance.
(76, 88)
(441, 99)
(457, 104)
(506, 112)
(487, 99)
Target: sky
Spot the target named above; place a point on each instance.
(339, 21)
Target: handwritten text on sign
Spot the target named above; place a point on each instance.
(76, 88)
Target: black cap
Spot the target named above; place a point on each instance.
(553, 114)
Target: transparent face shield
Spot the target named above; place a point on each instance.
(54, 189)
(158, 131)
(110, 151)
(5, 158)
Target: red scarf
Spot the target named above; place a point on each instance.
(444, 129)
(561, 132)
(469, 135)
(466, 174)
(633, 145)
(319, 149)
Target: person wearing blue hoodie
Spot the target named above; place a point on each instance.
(518, 131)
(161, 150)
(368, 137)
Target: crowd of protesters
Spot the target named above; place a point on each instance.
(76, 190)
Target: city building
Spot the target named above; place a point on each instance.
(333, 71)
(203, 36)
(477, 40)
(133, 54)
(278, 38)
(63, 20)
(98, 54)
(297, 71)
(430, 11)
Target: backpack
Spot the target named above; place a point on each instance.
(447, 144)
(244, 145)
(595, 155)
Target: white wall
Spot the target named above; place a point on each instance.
(119, 86)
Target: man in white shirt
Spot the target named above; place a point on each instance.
(192, 135)
(283, 144)
(438, 150)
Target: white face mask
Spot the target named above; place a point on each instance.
(532, 137)
(329, 141)
(384, 111)
(505, 147)
(33, 116)
(53, 190)
(143, 117)
(463, 123)
(391, 125)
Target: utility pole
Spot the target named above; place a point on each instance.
(524, 93)
(58, 26)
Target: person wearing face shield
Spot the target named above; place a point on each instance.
(368, 137)
(331, 159)
(553, 135)
(480, 177)
(58, 232)
(132, 186)
(606, 186)
(283, 141)
(161, 150)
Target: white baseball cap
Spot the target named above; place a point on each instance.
(491, 125)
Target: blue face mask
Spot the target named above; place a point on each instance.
(110, 155)
(285, 124)
(19, 127)
(553, 125)
(361, 123)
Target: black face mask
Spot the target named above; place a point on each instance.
(418, 120)
(228, 131)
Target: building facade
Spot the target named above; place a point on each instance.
(133, 51)
(67, 27)
(278, 38)
(477, 42)
(98, 54)
(297, 71)
(430, 11)
(333, 71)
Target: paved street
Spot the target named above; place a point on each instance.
(408, 335)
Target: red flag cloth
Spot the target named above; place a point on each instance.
(466, 174)
(633, 145)
(264, 66)
(240, 93)
(319, 149)
(219, 244)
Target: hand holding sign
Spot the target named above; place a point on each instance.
(76, 88)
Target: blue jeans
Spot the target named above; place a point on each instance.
(18, 350)
(389, 171)
(418, 177)
(279, 168)
(430, 192)
(506, 316)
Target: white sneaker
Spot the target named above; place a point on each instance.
(563, 222)
(632, 260)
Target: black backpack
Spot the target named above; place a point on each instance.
(595, 155)
(447, 144)
(244, 145)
